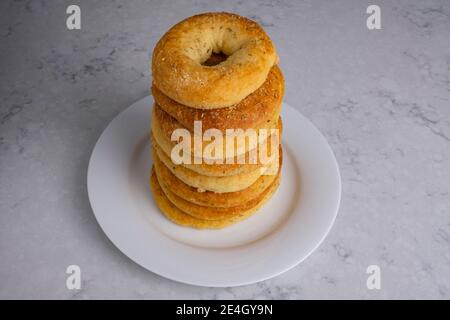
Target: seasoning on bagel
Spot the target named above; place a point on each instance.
(178, 63)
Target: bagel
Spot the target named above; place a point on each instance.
(255, 111)
(179, 217)
(209, 198)
(163, 126)
(211, 213)
(205, 183)
(217, 170)
(178, 60)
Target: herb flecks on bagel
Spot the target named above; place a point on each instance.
(179, 68)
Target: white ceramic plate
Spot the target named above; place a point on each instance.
(279, 236)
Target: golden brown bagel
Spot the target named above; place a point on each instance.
(179, 217)
(255, 111)
(178, 57)
(217, 170)
(163, 126)
(208, 198)
(233, 183)
(211, 213)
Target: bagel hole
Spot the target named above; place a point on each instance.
(215, 59)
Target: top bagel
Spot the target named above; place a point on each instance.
(179, 56)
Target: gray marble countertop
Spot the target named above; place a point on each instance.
(381, 98)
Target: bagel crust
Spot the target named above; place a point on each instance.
(163, 126)
(209, 198)
(157, 137)
(182, 218)
(178, 57)
(255, 111)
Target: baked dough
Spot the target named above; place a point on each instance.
(211, 213)
(205, 183)
(179, 217)
(163, 125)
(255, 111)
(177, 62)
(215, 170)
(209, 198)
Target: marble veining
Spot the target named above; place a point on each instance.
(381, 98)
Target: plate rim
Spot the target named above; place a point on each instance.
(225, 283)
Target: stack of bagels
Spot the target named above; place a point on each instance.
(211, 73)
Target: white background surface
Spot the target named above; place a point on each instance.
(381, 98)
